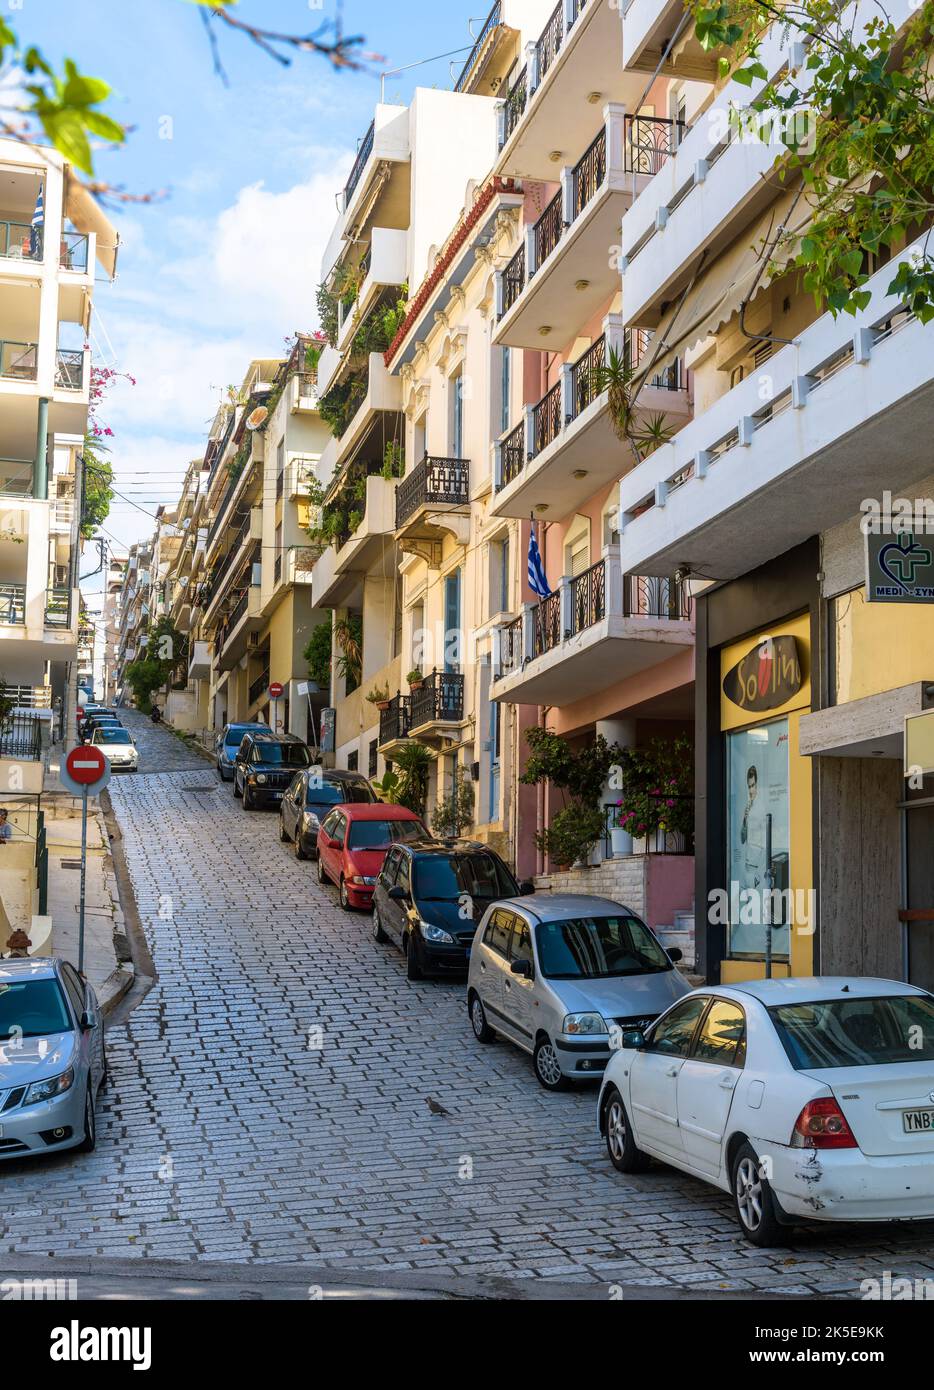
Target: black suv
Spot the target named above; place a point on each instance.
(265, 765)
(429, 897)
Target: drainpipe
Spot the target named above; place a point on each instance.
(40, 467)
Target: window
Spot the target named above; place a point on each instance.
(452, 621)
(380, 834)
(723, 1035)
(409, 831)
(353, 761)
(505, 386)
(521, 946)
(339, 833)
(33, 1008)
(594, 948)
(390, 868)
(372, 756)
(446, 877)
(329, 822)
(74, 989)
(457, 416)
(674, 1034)
(758, 837)
(855, 1032)
(334, 791)
(295, 789)
(497, 933)
(404, 879)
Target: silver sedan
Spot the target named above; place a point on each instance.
(52, 1059)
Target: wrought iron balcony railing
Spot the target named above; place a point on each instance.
(546, 419)
(548, 230)
(513, 452)
(589, 174)
(649, 141)
(656, 596)
(395, 721)
(440, 700)
(513, 280)
(588, 597)
(490, 23)
(434, 481)
(359, 164)
(547, 628)
(21, 737)
(638, 345)
(549, 44)
(516, 101)
(585, 376)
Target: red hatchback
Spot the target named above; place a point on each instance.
(353, 842)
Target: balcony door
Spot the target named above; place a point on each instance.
(452, 622)
(457, 416)
(919, 916)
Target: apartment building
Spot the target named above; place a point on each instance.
(108, 630)
(252, 614)
(803, 685)
(135, 609)
(53, 240)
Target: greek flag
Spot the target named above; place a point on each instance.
(35, 232)
(537, 581)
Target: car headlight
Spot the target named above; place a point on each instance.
(362, 881)
(310, 821)
(435, 934)
(260, 777)
(48, 1090)
(584, 1023)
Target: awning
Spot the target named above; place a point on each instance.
(87, 215)
(720, 289)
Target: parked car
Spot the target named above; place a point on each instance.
(560, 976)
(806, 1099)
(117, 746)
(52, 1058)
(228, 742)
(430, 895)
(99, 721)
(265, 765)
(353, 842)
(310, 797)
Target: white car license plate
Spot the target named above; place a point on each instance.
(918, 1121)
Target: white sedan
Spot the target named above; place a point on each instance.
(808, 1099)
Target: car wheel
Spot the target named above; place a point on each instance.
(413, 971)
(547, 1067)
(248, 800)
(625, 1155)
(378, 933)
(346, 904)
(322, 875)
(237, 791)
(753, 1200)
(89, 1142)
(481, 1029)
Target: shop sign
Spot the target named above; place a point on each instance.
(899, 568)
(767, 677)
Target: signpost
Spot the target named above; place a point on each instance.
(276, 690)
(86, 773)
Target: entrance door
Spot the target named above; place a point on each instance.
(919, 916)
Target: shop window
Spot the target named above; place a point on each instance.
(758, 839)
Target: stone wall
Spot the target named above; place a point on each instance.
(623, 880)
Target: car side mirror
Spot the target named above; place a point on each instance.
(88, 1020)
(526, 886)
(523, 968)
(675, 954)
(634, 1038)
(398, 894)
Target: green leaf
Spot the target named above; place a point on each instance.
(104, 127)
(743, 76)
(66, 131)
(84, 91)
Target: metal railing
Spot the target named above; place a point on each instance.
(546, 419)
(659, 841)
(16, 477)
(588, 597)
(359, 164)
(549, 44)
(514, 279)
(19, 360)
(74, 252)
(516, 101)
(29, 696)
(510, 646)
(547, 623)
(233, 618)
(395, 721)
(585, 376)
(439, 700)
(548, 230)
(19, 242)
(21, 737)
(648, 142)
(58, 607)
(637, 345)
(656, 596)
(589, 174)
(277, 569)
(13, 604)
(490, 23)
(69, 369)
(259, 687)
(513, 455)
(434, 480)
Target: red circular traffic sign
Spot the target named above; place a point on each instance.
(275, 690)
(80, 712)
(86, 765)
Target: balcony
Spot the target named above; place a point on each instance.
(58, 608)
(566, 449)
(338, 570)
(18, 361)
(18, 241)
(547, 107)
(259, 688)
(851, 414)
(434, 497)
(244, 618)
(69, 369)
(383, 393)
(385, 145)
(383, 267)
(75, 253)
(394, 724)
(648, 29)
(249, 535)
(597, 626)
(16, 477)
(298, 564)
(300, 475)
(13, 605)
(199, 662)
(565, 271)
(437, 704)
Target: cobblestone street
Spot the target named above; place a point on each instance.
(224, 1136)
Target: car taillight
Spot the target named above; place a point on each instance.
(822, 1125)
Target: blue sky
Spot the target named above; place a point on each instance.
(226, 266)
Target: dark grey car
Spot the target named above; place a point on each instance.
(311, 795)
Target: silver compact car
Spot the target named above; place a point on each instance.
(561, 976)
(52, 1059)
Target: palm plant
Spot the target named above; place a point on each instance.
(348, 634)
(411, 764)
(618, 378)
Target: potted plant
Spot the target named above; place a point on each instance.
(580, 774)
(379, 696)
(454, 814)
(658, 795)
(415, 679)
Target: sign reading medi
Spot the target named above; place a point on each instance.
(767, 677)
(899, 568)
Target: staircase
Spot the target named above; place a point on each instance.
(680, 934)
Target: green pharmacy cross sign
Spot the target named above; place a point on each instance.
(899, 568)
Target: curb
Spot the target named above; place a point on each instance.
(143, 975)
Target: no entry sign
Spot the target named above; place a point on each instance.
(275, 691)
(85, 771)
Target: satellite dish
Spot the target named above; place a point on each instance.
(257, 417)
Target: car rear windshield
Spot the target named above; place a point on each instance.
(598, 948)
(447, 877)
(32, 1009)
(282, 754)
(856, 1032)
(380, 834)
(331, 792)
(234, 736)
(108, 735)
